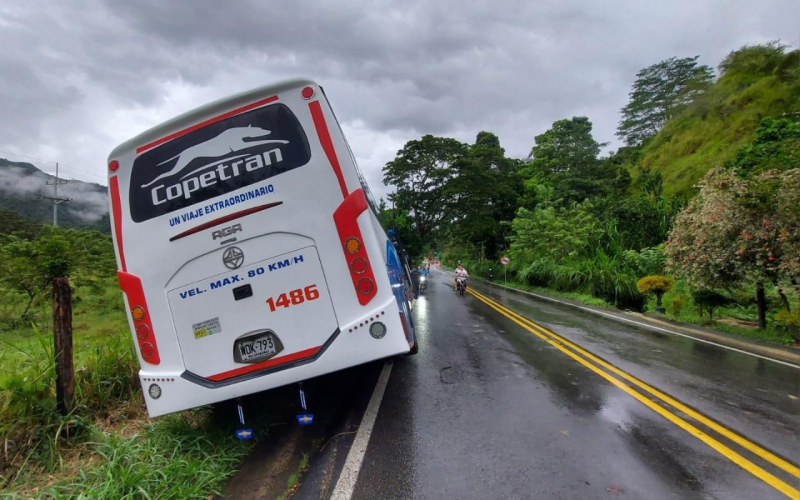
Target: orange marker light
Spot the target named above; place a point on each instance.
(352, 245)
(137, 313)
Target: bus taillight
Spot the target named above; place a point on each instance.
(365, 286)
(131, 285)
(346, 219)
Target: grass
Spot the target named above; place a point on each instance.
(680, 307)
(583, 298)
(293, 483)
(107, 447)
(687, 312)
(179, 456)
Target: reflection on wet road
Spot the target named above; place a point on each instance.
(510, 397)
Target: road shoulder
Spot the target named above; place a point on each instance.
(754, 347)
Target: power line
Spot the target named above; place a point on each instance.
(53, 162)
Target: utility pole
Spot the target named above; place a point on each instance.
(55, 199)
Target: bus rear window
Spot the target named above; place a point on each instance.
(217, 159)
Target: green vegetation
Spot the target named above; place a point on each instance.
(107, 445)
(703, 202)
(755, 83)
(657, 285)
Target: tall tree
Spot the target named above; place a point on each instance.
(420, 174)
(400, 221)
(485, 192)
(659, 93)
(567, 156)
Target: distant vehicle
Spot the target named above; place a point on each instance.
(249, 250)
(462, 285)
(423, 279)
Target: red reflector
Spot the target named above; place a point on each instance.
(307, 93)
(113, 166)
(142, 331)
(405, 326)
(365, 286)
(359, 265)
(147, 350)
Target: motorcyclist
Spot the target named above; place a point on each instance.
(460, 273)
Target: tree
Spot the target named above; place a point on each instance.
(420, 173)
(556, 232)
(709, 300)
(657, 285)
(567, 146)
(659, 93)
(566, 155)
(739, 230)
(485, 192)
(400, 221)
(30, 266)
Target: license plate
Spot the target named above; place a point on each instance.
(257, 348)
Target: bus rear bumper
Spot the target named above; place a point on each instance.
(352, 345)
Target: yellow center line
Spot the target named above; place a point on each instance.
(741, 441)
(739, 460)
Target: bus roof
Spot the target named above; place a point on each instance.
(213, 108)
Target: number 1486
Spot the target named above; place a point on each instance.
(293, 298)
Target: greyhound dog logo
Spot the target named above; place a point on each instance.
(229, 141)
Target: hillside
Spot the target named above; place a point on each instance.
(21, 184)
(754, 83)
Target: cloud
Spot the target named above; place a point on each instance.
(77, 78)
(89, 201)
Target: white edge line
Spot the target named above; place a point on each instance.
(645, 325)
(352, 466)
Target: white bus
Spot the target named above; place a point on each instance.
(249, 251)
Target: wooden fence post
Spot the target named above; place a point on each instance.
(62, 333)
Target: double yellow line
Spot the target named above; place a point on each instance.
(594, 364)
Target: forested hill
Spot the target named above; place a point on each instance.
(707, 131)
(21, 184)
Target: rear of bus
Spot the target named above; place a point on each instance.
(248, 254)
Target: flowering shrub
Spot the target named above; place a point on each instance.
(737, 229)
(657, 285)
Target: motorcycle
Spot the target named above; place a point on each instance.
(462, 285)
(489, 276)
(423, 284)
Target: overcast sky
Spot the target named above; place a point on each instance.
(79, 77)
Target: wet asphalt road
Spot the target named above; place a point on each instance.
(489, 410)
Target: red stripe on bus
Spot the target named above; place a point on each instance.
(223, 220)
(326, 142)
(270, 363)
(116, 207)
(202, 124)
